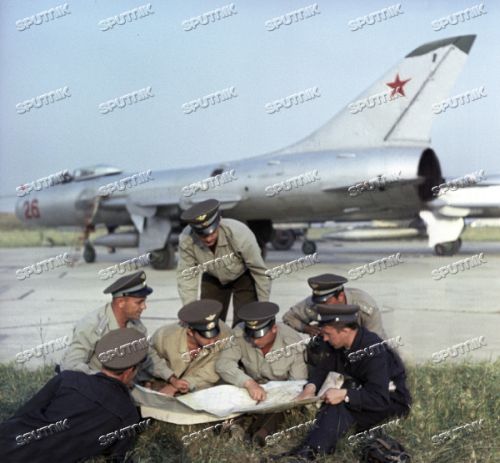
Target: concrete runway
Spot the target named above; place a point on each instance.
(429, 315)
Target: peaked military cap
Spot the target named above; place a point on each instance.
(203, 217)
(259, 317)
(345, 313)
(325, 286)
(133, 285)
(202, 316)
(121, 349)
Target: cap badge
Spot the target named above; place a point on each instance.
(210, 317)
(253, 323)
(211, 326)
(202, 217)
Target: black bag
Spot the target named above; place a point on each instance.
(383, 450)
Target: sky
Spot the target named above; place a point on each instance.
(237, 51)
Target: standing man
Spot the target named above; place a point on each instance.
(227, 255)
(329, 289)
(378, 390)
(124, 311)
(256, 337)
(192, 346)
(73, 417)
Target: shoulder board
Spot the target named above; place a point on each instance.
(368, 309)
(102, 325)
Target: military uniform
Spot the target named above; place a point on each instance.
(81, 354)
(258, 319)
(171, 344)
(65, 419)
(368, 400)
(369, 317)
(235, 266)
(255, 366)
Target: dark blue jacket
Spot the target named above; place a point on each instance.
(84, 407)
(372, 372)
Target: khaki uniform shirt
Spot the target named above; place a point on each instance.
(81, 356)
(236, 251)
(369, 317)
(170, 342)
(255, 366)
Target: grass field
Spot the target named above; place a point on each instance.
(444, 397)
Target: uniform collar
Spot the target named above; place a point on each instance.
(356, 344)
(113, 324)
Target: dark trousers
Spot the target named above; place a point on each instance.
(242, 289)
(333, 422)
(263, 425)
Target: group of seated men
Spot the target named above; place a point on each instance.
(85, 409)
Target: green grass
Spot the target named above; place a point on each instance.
(445, 397)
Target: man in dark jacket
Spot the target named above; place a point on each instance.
(76, 416)
(375, 390)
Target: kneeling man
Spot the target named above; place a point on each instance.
(377, 389)
(258, 335)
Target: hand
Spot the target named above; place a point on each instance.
(312, 330)
(307, 393)
(334, 396)
(168, 390)
(255, 391)
(180, 384)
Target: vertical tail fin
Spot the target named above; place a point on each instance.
(397, 109)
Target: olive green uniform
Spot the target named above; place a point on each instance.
(237, 260)
(81, 355)
(255, 366)
(170, 342)
(369, 317)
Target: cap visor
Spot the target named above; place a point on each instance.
(209, 334)
(257, 333)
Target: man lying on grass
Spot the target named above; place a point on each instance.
(76, 416)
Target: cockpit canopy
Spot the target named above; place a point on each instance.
(98, 170)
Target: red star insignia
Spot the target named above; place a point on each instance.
(397, 86)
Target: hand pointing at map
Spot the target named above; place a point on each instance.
(255, 391)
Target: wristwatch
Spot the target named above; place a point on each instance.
(346, 399)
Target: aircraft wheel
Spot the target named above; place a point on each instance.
(89, 253)
(458, 244)
(447, 249)
(308, 247)
(282, 240)
(164, 259)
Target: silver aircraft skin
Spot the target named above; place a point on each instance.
(380, 140)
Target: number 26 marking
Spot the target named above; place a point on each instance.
(31, 210)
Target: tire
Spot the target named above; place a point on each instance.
(164, 259)
(282, 240)
(309, 247)
(457, 245)
(447, 249)
(89, 253)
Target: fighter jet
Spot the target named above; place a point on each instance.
(372, 160)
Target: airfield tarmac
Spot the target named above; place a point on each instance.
(428, 315)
